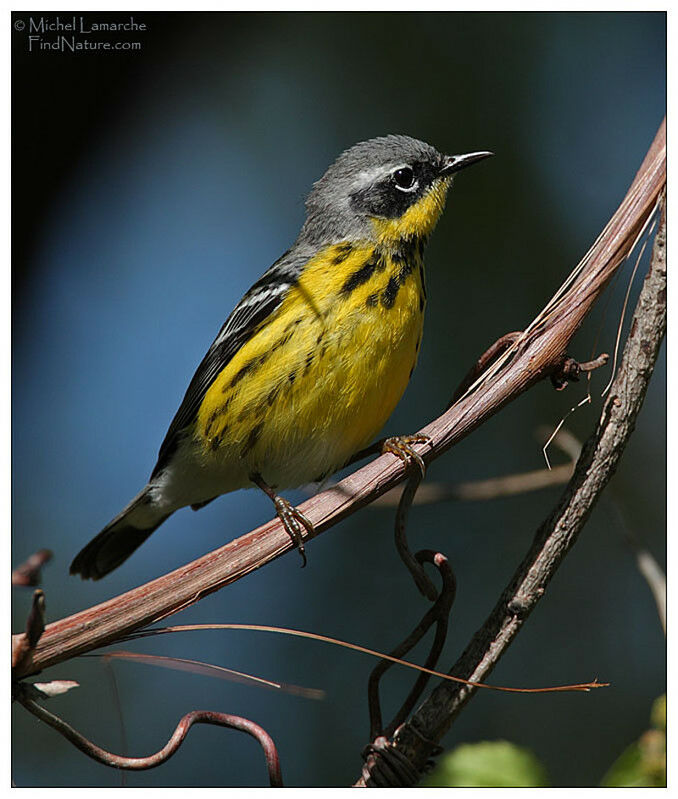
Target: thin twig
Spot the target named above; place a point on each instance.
(170, 748)
(267, 628)
(500, 346)
(210, 670)
(35, 626)
(28, 573)
(117, 704)
(414, 566)
(439, 615)
(533, 357)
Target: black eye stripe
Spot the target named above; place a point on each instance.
(385, 198)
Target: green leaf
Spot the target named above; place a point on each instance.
(488, 764)
(643, 764)
(658, 713)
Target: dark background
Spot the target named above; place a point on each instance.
(150, 189)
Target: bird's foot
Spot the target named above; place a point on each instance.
(402, 447)
(293, 520)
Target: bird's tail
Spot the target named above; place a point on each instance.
(116, 542)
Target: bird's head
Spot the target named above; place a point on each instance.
(385, 189)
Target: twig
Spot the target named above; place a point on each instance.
(35, 626)
(266, 628)
(494, 487)
(170, 748)
(559, 532)
(28, 573)
(539, 350)
(439, 615)
(209, 670)
(413, 564)
(569, 370)
(500, 346)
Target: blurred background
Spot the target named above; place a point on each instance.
(151, 188)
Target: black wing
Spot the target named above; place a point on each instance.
(246, 318)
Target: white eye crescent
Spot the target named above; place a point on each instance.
(403, 177)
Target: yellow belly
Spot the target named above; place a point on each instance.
(320, 379)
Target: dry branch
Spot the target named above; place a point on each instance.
(28, 573)
(539, 352)
(418, 737)
(176, 739)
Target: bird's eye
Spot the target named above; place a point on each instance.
(404, 178)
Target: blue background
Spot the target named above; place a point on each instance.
(151, 189)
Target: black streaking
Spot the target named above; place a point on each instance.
(272, 394)
(282, 341)
(406, 250)
(245, 320)
(342, 253)
(252, 439)
(220, 411)
(292, 376)
(250, 366)
(405, 271)
(294, 323)
(375, 264)
(372, 300)
(389, 294)
(259, 360)
(422, 277)
(404, 255)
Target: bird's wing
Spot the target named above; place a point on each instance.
(248, 316)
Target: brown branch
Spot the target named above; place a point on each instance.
(418, 737)
(28, 573)
(535, 355)
(35, 626)
(161, 756)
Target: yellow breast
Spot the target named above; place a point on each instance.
(324, 373)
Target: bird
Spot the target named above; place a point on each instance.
(312, 361)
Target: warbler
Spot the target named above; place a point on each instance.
(316, 355)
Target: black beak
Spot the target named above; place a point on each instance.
(453, 163)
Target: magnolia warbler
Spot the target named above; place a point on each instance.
(314, 358)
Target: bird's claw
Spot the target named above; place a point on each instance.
(293, 520)
(401, 446)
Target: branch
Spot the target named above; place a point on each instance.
(537, 353)
(28, 573)
(177, 738)
(416, 739)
